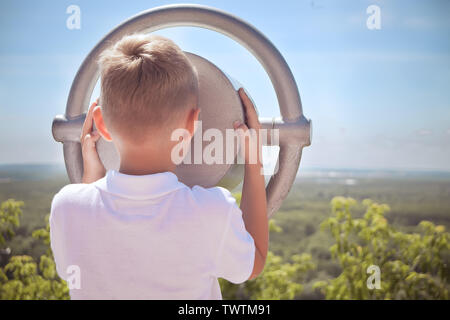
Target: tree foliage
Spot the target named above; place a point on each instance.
(412, 265)
(22, 277)
(10, 212)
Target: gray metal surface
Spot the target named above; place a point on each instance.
(294, 128)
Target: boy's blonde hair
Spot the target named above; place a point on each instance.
(146, 81)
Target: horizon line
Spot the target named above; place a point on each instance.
(301, 168)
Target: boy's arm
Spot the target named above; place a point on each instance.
(93, 168)
(253, 201)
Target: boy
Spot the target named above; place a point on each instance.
(139, 233)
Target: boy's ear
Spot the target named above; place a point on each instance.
(100, 123)
(192, 118)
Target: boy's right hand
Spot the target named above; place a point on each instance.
(250, 140)
(93, 168)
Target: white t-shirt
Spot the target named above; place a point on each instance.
(148, 237)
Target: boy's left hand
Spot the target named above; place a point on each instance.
(93, 168)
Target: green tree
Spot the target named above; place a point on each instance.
(412, 265)
(10, 212)
(22, 277)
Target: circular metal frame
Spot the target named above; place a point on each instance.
(294, 128)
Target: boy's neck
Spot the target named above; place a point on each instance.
(145, 163)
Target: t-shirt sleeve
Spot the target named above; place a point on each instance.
(236, 247)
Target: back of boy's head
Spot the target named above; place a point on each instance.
(146, 82)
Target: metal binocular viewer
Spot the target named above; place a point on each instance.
(218, 100)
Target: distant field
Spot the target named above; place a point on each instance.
(412, 197)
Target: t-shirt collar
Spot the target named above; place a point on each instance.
(139, 187)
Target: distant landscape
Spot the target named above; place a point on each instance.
(413, 196)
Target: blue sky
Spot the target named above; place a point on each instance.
(377, 98)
